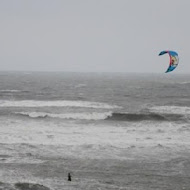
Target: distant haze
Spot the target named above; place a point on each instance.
(93, 35)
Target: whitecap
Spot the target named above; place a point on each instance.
(74, 116)
(58, 103)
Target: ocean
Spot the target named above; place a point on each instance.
(91, 124)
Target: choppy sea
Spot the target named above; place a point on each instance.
(112, 110)
(95, 98)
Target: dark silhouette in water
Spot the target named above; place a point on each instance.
(69, 177)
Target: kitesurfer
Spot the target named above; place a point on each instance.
(69, 177)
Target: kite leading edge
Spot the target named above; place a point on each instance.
(174, 60)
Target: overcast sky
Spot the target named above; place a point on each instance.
(93, 35)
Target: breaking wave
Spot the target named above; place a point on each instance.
(10, 91)
(146, 116)
(171, 109)
(59, 103)
(105, 116)
(74, 116)
(187, 82)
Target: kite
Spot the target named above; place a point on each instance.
(174, 60)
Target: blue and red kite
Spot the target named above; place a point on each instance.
(174, 60)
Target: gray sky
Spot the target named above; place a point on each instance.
(93, 35)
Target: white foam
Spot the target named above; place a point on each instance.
(59, 103)
(80, 116)
(171, 109)
(7, 91)
(187, 82)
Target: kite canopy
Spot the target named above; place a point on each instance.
(174, 60)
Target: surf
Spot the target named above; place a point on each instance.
(56, 103)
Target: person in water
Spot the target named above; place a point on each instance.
(69, 177)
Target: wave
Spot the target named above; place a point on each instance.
(186, 82)
(9, 91)
(105, 116)
(30, 186)
(74, 116)
(60, 103)
(21, 186)
(142, 117)
(182, 110)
